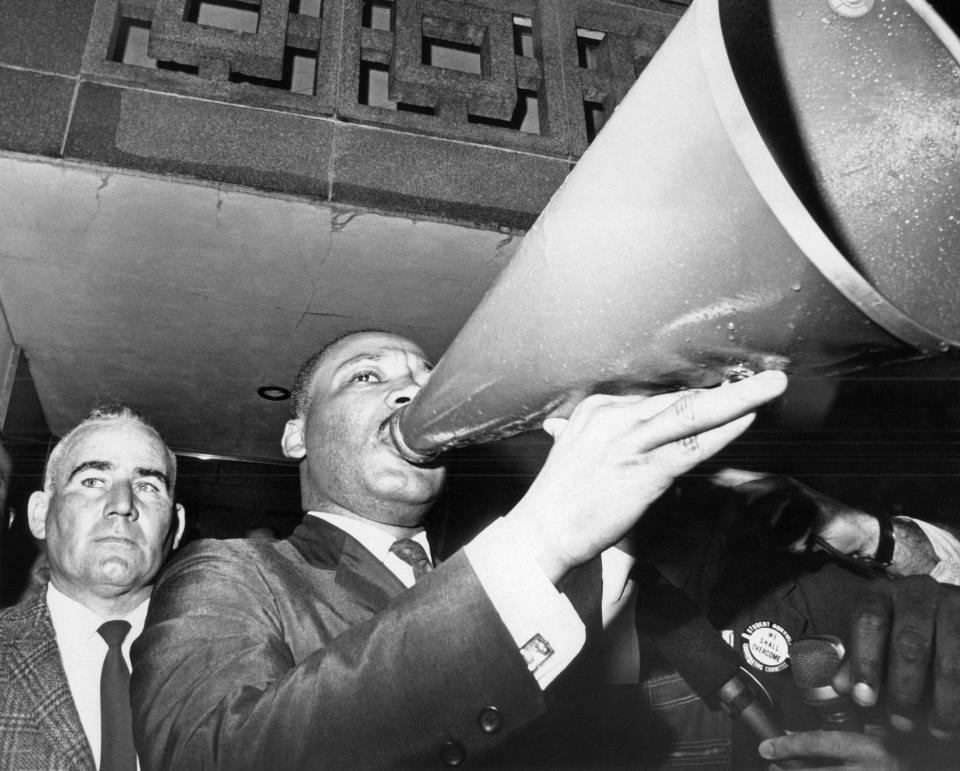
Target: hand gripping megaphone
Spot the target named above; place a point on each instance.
(779, 189)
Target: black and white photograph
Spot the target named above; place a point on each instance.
(562, 385)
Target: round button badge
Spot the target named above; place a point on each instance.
(766, 646)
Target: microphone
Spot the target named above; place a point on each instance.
(815, 660)
(698, 653)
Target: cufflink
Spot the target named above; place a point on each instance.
(536, 651)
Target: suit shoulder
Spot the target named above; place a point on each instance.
(226, 549)
(21, 617)
(214, 559)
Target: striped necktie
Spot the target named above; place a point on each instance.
(414, 555)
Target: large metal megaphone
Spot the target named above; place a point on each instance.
(779, 189)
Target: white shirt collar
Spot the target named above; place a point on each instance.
(377, 541)
(74, 621)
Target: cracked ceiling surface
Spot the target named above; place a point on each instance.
(181, 298)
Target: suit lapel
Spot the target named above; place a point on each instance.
(361, 575)
(41, 675)
(365, 577)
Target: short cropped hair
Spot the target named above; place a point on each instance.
(102, 415)
(301, 396)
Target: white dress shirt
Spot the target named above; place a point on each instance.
(377, 542)
(947, 549)
(542, 622)
(82, 651)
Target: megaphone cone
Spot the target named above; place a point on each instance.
(682, 250)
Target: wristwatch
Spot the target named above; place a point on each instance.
(883, 557)
(865, 565)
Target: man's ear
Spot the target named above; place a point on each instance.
(37, 513)
(293, 440)
(181, 523)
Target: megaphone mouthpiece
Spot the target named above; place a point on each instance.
(406, 452)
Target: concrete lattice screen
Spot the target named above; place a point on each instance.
(492, 43)
(470, 111)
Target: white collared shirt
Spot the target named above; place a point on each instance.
(947, 548)
(378, 542)
(82, 651)
(528, 603)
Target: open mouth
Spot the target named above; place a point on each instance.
(385, 435)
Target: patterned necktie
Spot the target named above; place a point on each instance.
(116, 733)
(414, 555)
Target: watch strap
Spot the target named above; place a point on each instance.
(883, 557)
(869, 566)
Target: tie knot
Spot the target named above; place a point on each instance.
(413, 554)
(114, 632)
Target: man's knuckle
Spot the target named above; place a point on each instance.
(592, 403)
(946, 720)
(919, 596)
(914, 589)
(870, 621)
(685, 407)
(949, 601)
(911, 645)
(868, 672)
(946, 669)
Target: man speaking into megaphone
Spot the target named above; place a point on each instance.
(339, 647)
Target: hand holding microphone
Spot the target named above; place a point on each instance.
(814, 661)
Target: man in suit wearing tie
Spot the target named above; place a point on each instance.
(107, 517)
(324, 650)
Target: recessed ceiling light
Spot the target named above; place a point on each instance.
(273, 393)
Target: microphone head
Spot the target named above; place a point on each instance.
(815, 660)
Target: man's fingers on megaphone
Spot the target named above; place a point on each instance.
(695, 412)
(681, 455)
(652, 405)
(555, 426)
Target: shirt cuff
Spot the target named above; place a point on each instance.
(616, 565)
(547, 630)
(947, 549)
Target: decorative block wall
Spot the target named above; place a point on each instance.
(469, 110)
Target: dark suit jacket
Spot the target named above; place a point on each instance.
(309, 653)
(39, 724)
